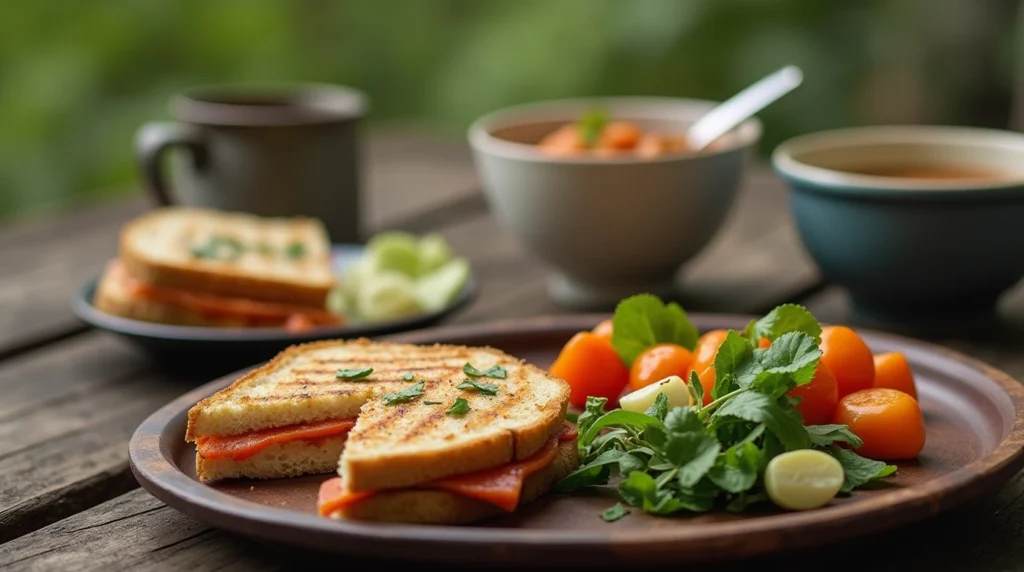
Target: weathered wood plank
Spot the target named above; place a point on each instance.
(755, 262)
(42, 262)
(65, 420)
(135, 531)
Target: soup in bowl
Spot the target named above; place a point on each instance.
(612, 216)
(921, 224)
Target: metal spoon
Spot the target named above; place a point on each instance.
(742, 106)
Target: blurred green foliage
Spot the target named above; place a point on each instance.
(77, 78)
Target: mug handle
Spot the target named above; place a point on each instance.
(152, 140)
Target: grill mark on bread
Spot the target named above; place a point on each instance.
(333, 370)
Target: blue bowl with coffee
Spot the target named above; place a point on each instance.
(921, 224)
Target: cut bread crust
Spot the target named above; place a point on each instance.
(161, 261)
(291, 459)
(426, 506)
(402, 444)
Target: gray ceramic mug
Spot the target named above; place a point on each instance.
(271, 150)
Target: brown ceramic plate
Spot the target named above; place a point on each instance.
(974, 444)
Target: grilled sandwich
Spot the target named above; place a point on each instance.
(202, 267)
(423, 437)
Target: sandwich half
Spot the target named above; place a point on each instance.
(202, 267)
(421, 438)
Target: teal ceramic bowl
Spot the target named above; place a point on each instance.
(911, 250)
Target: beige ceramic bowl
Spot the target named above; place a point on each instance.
(608, 227)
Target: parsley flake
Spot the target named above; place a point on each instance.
(405, 396)
(496, 372)
(429, 402)
(484, 388)
(352, 374)
(460, 407)
(408, 377)
(295, 250)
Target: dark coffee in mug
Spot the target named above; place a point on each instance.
(277, 150)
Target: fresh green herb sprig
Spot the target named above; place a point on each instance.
(484, 388)
(495, 372)
(590, 125)
(694, 458)
(459, 407)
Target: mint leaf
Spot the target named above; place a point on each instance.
(693, 454)
(736, 469)
(696, 390)
(643, 320)
(785, 424)
(659, 408)
(406, 395)
(823, 435)
(783, 320)
(683, 420)
(614, 512)
(352, 374)
(590, 125)
(734, 365)
(859, 470)
(460, 407)
(484, 388)
(496, 372)
(794, 354)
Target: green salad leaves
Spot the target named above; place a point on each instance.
(691, 459)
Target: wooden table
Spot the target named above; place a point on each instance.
(70, 397)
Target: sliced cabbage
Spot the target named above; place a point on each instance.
(387, 295)
(395, 250)
(438, 288)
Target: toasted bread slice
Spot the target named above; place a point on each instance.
(424, 506)
(401, 444)
(230, 254)
(276, 461)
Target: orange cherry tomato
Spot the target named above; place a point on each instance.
(707, 381)
(707, 347)
(893, 371)
(590, 366)
(764, 343)
(658, 362)
(604, 329)
(818, 398)
(848, 358)
(888, 421)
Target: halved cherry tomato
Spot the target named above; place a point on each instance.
(707, 381)
(658, 362)
(848, 358)
(590, 366)
(893, 371)
(818, 398)
(888, 421)
(707, 347)
(604, 329)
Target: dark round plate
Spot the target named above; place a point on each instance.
(244, 346)
(974, 444)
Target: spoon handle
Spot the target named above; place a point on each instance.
(742, 106)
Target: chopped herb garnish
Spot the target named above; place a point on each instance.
(460, 407)
(428, 402)
(696, 458)
(496, 372)
(295, 250)
(406, 395)
(590, 126)
(354, 373)
(615, 512)
(219, 247)
(484, 388)
(408, 377)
